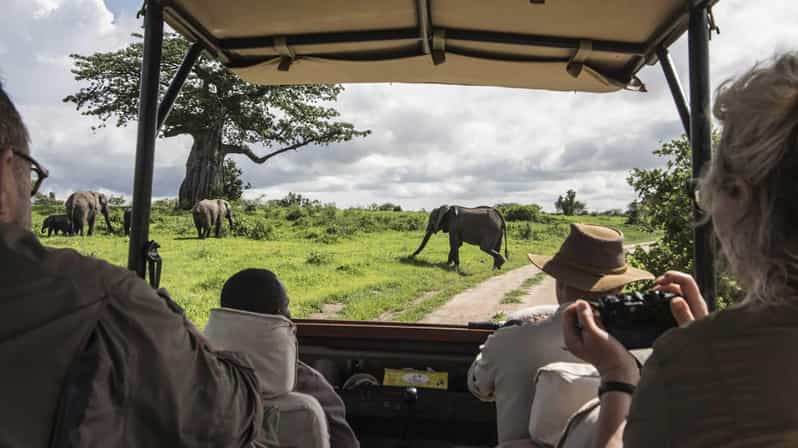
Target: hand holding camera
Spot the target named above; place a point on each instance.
(585, 330)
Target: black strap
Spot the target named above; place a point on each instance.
(616, 386)
(75, 395)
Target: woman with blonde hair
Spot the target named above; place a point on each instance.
(729, 378)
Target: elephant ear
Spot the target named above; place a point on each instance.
(441, 213)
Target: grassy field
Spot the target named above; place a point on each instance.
(354, 258)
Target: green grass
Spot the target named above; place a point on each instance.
(355, 258)
(515, 295)
(534, 280)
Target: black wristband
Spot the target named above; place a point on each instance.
(616, 386)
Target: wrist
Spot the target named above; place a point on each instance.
(622, 373)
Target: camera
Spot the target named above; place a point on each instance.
(636, 319)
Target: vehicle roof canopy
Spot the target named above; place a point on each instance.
(573, 45)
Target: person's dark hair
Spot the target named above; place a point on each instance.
(12, 130)
(257, 291)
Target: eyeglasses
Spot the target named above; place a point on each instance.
(37, 172)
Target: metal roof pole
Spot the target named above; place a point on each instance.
(676, 87)
(145, 137)
(170, 96)
(701, 144)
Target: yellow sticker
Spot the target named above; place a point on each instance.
(416, 378)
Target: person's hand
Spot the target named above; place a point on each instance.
(586, 339)
(689, 304)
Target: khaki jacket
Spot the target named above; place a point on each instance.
(505, 370)
(729, 380)
(137, 373)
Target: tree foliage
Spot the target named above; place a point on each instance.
(232, 186)
(664, 202)
(568, 205)
(223, 114)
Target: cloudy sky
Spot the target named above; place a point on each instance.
(429, 144)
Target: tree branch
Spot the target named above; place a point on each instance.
(245, 150)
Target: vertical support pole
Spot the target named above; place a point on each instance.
(676, 87)
(145, 138)
(701, 144)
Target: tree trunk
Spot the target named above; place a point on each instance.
(203, 169)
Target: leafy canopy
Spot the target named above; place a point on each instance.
(212, 98)
(665, 203)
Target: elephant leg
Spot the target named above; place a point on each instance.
(50, 232)
(454, 250)
(498, 260)
(91, 224)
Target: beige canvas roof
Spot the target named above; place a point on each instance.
(572, 45)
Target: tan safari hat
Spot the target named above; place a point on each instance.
(591, 259)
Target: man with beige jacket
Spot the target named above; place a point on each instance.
(91, 355)
(591, 262)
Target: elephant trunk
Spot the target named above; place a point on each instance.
(230, 221)
(423, 243)
(108, 221)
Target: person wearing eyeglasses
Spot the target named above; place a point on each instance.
(91, 355)
(728, 378)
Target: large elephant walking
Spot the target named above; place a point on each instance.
(480, 226)
(208, 213)
(82, 208)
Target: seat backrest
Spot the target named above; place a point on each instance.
(269, 341)
(302, 421)
(582, 426)
(561, 388)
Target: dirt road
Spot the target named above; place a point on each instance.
(483, 301)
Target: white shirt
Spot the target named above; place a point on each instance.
(505, 370)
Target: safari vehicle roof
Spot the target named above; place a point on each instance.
(573, 45)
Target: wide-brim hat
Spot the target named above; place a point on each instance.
(592, 259)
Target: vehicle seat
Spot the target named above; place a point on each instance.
(270, 343)
(561, 389)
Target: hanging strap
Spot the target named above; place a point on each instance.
(577, 61)
(287, 55)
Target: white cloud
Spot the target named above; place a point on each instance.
(429, 144)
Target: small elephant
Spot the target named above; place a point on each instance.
(126, 220)
(208, 213)
(56, 223)
(482, 226)
(82, 207)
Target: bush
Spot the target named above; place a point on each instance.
(294, 213)
(522, 213)
(253, 228)
(319, 258)
(526, 232)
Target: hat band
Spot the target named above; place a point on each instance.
(597, 270)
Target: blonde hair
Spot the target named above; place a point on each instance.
(759, 146)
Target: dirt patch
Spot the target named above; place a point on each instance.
(328, 311)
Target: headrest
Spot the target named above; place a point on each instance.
(269, 341)
(561, 388)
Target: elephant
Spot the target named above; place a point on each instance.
(208, 213)
(54, 223)
(126, 220)
(481, 226)
(82, 207)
